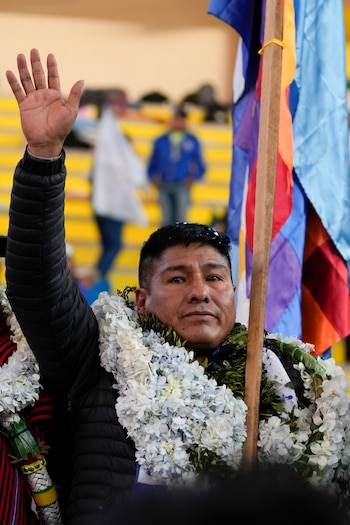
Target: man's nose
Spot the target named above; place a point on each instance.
(199, 291)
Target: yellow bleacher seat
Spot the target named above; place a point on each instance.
(78, 162)
(82, 230)
(11, 122)
(8, 104)
(217, 174)
(4, 220)
(78, 208)
(214, 134)
(209, 197)
(119, 280)
(13, 140)
(213, 154)
(142, 129)
(161, 112)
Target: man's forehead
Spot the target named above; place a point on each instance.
(195, 254)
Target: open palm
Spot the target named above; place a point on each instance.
(46, 117)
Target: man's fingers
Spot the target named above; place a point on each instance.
(24, 74)
(15, 86)
(37, 80)
(75, 94)
(37, 70)
(52, 73)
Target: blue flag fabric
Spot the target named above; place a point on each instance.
(321, 144)
(317, 102)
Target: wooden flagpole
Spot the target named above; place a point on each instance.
(264, 206)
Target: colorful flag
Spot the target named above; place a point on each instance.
(308, 293)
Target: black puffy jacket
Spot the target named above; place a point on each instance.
(63, 333)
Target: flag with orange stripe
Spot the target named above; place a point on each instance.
(321, 163)
(308, 285)
(325, 299)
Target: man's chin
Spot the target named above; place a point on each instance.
(202, 345)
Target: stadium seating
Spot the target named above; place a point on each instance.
(209, 197)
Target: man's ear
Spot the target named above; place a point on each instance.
(140, 297)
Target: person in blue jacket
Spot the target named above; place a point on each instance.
(176, 162)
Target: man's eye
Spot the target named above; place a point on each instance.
(176, 279)
(214, 278)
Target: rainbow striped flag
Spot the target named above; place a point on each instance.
(308, 284)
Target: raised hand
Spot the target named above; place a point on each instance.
(46, 117)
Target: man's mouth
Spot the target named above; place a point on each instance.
(199, 313)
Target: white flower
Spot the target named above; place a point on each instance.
(19, 377)
(170, 407)
(277, 444)
(292, 340)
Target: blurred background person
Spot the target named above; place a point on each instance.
(116, 175)
(89, 285)
(175, 163)
(205, 98)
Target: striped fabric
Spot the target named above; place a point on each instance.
(15, 494)
(326, 305)
(7, 346)
(321, 163)
(309, 115)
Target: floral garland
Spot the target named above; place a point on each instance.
(173, 411)
(19, 377)
(19, 388)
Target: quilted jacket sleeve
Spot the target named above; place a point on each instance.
(55, 318)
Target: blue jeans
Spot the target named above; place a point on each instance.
(111, 235)
(174, 199)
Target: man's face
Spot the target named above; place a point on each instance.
(178, 123)
(192, 291)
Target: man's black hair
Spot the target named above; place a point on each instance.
(184, 233)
